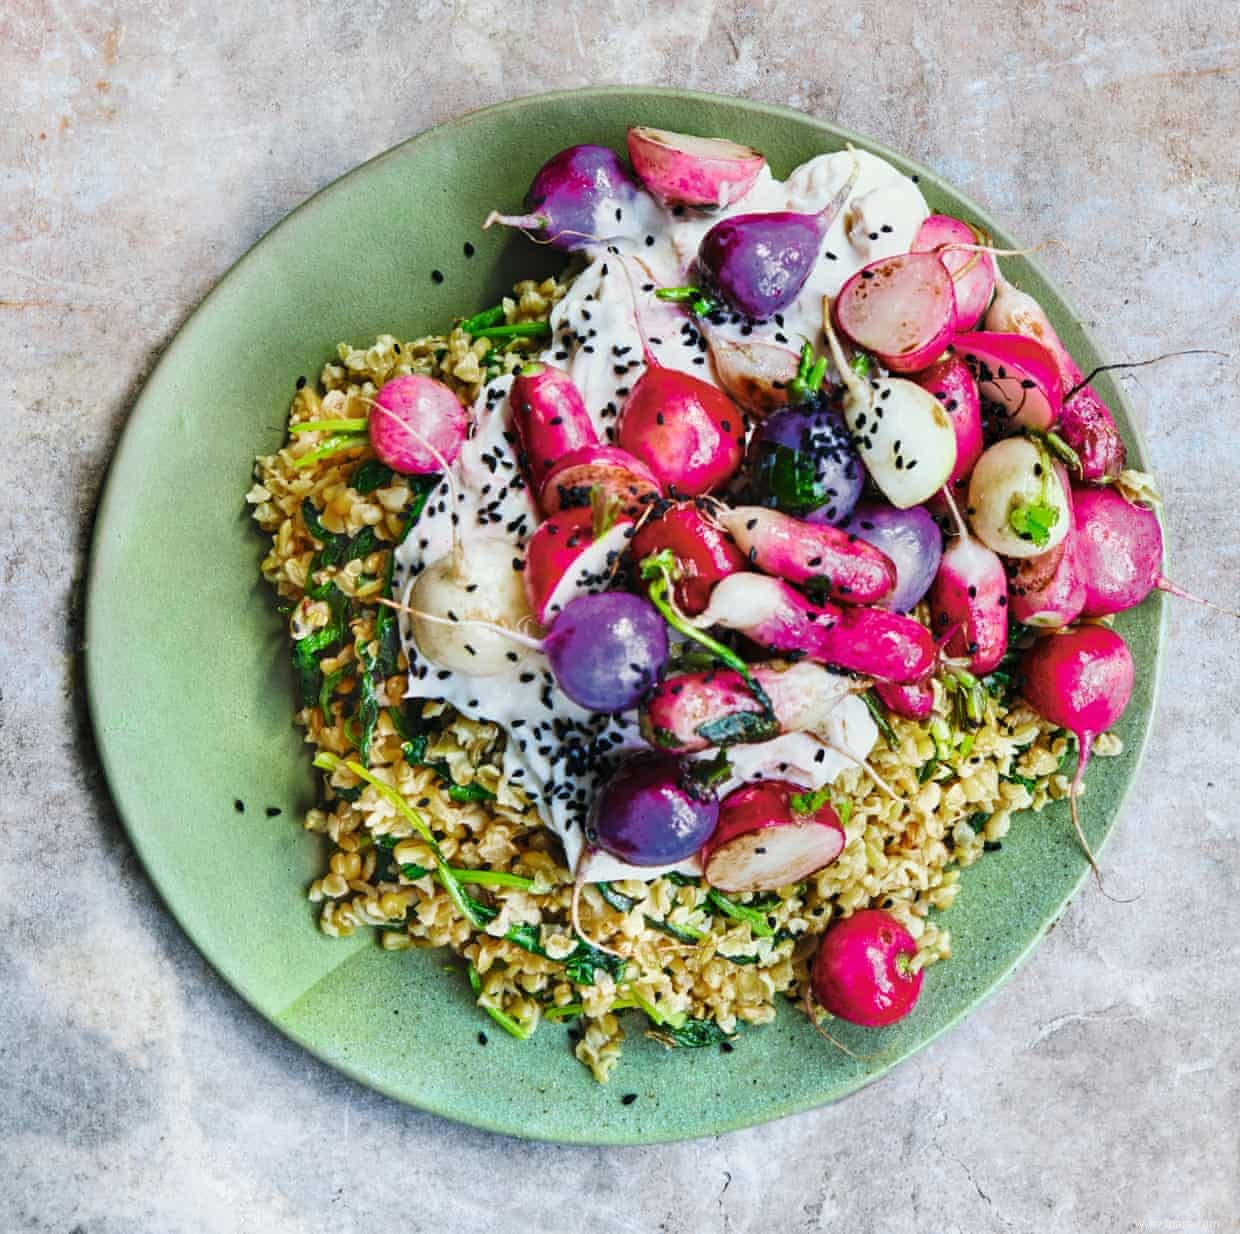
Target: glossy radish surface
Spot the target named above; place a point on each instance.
(563, 546)
(1016, 374)
(1119, 550)
(417, 425)
(914, 700)
(695, 171)
(973, 273)
(950, 381)
(863, 972)
(1018, 504)
(801, 460)
(609, 472)
(756, 375)
(910, 538)
(705, 553)
(550, 417)
(1048, 592)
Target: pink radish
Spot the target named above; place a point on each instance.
(970, 594)
(550, 417)
(846, 568)
(861, 640)
(903, 309)
(1080, 679)
(950, 381)
(681, 169)
(1048, 592)
(771, 834)
(687, 712)
(1017, 374)
(1018, 501)
(756, 375)
(973, 273)
(705, 552)
(914, 700)
(607, 470)
(417, 425)
(564, 556)
(863, 970)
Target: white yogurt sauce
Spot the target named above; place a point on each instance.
(556, 751)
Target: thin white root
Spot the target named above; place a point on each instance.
(574, 909)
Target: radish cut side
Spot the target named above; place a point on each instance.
(773, 857)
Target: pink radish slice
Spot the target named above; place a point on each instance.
(901, 308)
(767, 838)
(862, 972)
(550, 417)
(1016, 373)
(973, 273)
(950, 381)
(417, 425)
(756, 375)
(615, 473)
(694, 171)
(560, 546)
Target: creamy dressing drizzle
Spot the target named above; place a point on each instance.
(557, 752)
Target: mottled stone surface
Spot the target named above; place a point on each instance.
(144, 145)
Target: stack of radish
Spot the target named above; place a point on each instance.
(812, 535)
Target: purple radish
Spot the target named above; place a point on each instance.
(758, 263)
(972, 272)
(861, 640)
(1080, 679)
(606, 471)
(680, 169)
(970, 597)
(688, 712)
(903, 435)
(844, 567)
(914, 700)
(1018, 501)
(417, 425)
(577, 199)
(550, 417)
(801, 461)
(771, 834)
(1048, 592)
(903, 309)
(1018, 375)
(950, 381)
(1085, 422)
(863, 970)
(910, 538)
(756, 375)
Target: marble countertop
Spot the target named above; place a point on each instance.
(144, 145)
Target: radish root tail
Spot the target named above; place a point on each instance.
(574, 908)
(1086, 748)
(811, 1012)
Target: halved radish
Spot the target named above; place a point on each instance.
(901, 308)
(1018, 374)
(615, 473)
(756, 375)
(973, 273)
(771, 834)
(694, 171)
(563, 559)
(705, 551)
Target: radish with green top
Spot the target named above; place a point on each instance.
(569, 552)
(902, 309)
(771, 834)
(1048, 591)
(904, 437)
(1017, 375)
(950, 381)
(605, 474)
(550, 417)
(680, 169)
(1018, 504)
(705, 553)
(417, 425)
(972, 272)
(863, 972)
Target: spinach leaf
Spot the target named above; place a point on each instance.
(584, 962)
(371, 475)
(617, 899)
(738, 727)
(682, 934)
(752, 917)
(691, 1035)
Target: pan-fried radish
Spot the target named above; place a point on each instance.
(756, 375)
(1048, 592)
(861, 640)
(1080, 679)
(598, 473)
(969, 599)
(913, 541)
(680, 169)
(416, 425)
(903, 309)
(1018, 505)
(863, 971)
(842, 566)
(950, 381)
(973, 272)
(705, 553)
(771, 834)
(904, 436)
(914, 700)
(1016, 374)
(564, 557)
(550, 417)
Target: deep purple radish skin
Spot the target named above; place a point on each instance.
(550, 418)
(417, 425)
(910, 538)
(973, 273)
(766, 839)
(801, 460)
(863, 970)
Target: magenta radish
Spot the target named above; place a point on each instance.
(950, 381)
(704, 552)
(756, 375)
(680, 169)
(1048, 592)
(969, 598)
(861, 640)
(770, 835)
(1016, 374)
(910, 538)
(578, 198)
(903, 435)
(914, 700)
(843, 566)
(417, 425)
(903, 309)
(564, 555)
(758, 263)
(1018, 503)
(612, 474)
(1080, 679)
(550, 417)
(972, 272)
(863, 970)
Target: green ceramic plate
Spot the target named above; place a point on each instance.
(192, 699)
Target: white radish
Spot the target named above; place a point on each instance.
(1017, 502)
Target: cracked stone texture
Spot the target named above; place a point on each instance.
(144, 146)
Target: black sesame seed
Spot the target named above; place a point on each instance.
(239, 806)
(301, 383)
(629, 1098)
(436, 276)
(469, 249)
